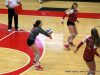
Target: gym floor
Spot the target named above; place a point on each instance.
(16, 57)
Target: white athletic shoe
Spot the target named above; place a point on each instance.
(18, 29)
(9, 30)
(40, 1)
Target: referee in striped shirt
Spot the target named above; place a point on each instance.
(10, 4)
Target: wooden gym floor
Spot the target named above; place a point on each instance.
(56, 59)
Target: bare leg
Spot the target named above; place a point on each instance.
(71, 32)
(75, 31)
(92, 67)
(36, 50)
(34, 56)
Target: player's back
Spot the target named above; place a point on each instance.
(89, 43)
(88, 53)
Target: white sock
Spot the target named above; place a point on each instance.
(37, 63)
(67, 43)
(71, 40)
(34, 57)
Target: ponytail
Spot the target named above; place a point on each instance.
(95, 37)
(37, 23)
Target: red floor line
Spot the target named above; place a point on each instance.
(18, 41)
(53, 13)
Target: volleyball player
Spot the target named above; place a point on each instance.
(31, 42)
(73, 13)
(92, 42)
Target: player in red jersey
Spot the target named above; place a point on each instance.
(73, 13)
(92, 42)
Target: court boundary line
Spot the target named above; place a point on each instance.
(43, 47)
(21, 52)
(39, 59)
(25, 53)
(53, 33)
(7, 36)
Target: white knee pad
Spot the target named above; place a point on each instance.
(75, 34)
(37, 56)
(71, 35)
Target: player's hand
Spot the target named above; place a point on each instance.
(77, 21)
(75, 51)
(50, 37)
(62, 22)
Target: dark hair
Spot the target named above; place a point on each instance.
(74, 4)
(37, 23)
(95, 37)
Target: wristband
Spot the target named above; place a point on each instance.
(62, 19)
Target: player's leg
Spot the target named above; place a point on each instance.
(92, 67)
(70, 27)
(75, 34)
(34, 62)
(36, 50)
(40, 1)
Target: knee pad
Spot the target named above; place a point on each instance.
(71, 35)
(37, 56)
(75, 34)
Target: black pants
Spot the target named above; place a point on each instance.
(11, 13)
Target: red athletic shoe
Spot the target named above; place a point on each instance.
(34, 62)
(67, 47)
(70, 43)
(38, 67)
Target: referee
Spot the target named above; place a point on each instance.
(10, 4)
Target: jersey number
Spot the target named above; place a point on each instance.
(89, 44)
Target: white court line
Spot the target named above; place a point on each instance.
(25, 53)
(53, 33)
(39, 59)
(20, 67)
(7, 36)
(43, 47)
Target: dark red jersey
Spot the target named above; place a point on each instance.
(72, 15)
(90, 50)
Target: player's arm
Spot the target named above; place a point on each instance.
(19, 3)
(69, 12)
(44, 32)
(95, 51)
(81, 43)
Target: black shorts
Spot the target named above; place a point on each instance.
(30, 42)
(88, 60)
(70, 23)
